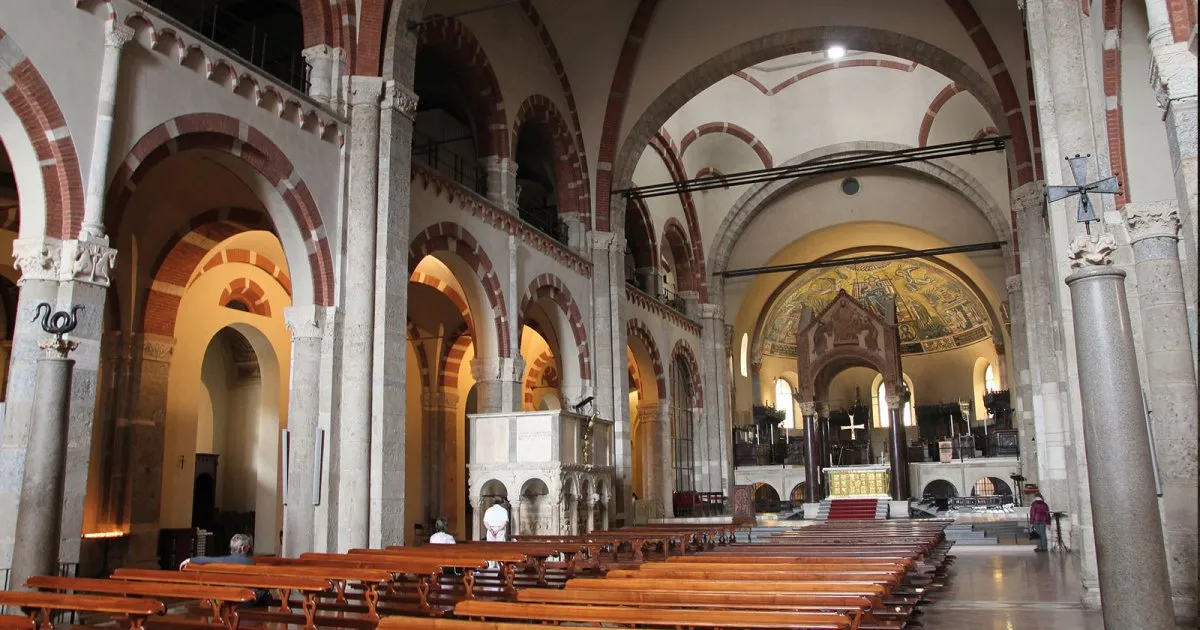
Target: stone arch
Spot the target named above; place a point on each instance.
(686, 268)
(683, 351)
(248, 293)
(61, 181)
(454, 239)
(760, 196)
(548, 286)
(533, 373)
(939, 101)
(942, 484)
(304, 236)
(454, 351)
(729, 129)
(448, 290)
(845, 334)
(419, 351)
(540, 111)
(665, 147)
(709, 171)
(636, 329)
(639, 235)
(779, 44)
(985, 133)
(837, 65)
(457, 46)
(247, 257)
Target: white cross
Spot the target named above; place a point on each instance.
(853, 428)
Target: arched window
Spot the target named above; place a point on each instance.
(883, 416)
(683, 400)
(785, 402)
(989, 379)
(745, 354)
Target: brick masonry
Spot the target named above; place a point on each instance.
(414, 336)
(675, 238)
(549, 287)
(635, 329)
(851, 63)
(643, 243)
(683, 351)
(570, 187)
(731, 129)
(249, 293)
(217, 132)
(445, 288)
(41, 117)
(1114, 120)
(931, 112)
(455, 349)
(533, 374)
(665, 147)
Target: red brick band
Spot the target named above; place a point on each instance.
(636, 329)
(549, 287)
(540, 113)
(731, 129)
(249, 293)
(666, 149)
(850, 63)
(1114, 118)
(936, 106)
(533, 374)
(639, 230)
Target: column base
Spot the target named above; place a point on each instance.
(898, 509)
(810, 511)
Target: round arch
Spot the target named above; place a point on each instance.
(257, 161)
(636, 330)
(683, 352)
(675, 240)
(569, 318)
(541, 112)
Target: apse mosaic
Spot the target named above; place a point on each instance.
(935, 311)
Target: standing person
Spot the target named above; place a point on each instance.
(1039, 518)
(440, 534)
(495, 520)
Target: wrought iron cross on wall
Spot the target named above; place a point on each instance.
(1087, 212)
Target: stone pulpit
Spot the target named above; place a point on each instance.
(554, 467)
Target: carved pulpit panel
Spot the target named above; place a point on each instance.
(845, 333)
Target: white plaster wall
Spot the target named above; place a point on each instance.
(652, 170)
(1150, 175)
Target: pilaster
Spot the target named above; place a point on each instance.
(609, 359)
(1020, 381)
(307, 325)
(657, 480)
(498, 382)
(502, 187)
(115, 38)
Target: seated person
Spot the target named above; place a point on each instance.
(240, 547)
(440, 535)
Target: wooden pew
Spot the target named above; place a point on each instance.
(306, 587)
(507, 559)
(410, 623)
(16, 622)
(428, 571)
(749, 575)
(369, 579)
(655, 617)
(221, 600)
(46, 604)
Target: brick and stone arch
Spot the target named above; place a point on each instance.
(709, 171)
(939, 101)
(548, 287)
(456, 46)
(533, 374)
(675, 239)
(466, 258)
(178, 265)
(414, 336)
(665, 147)
(224, 134)
(836, 65)
(540, 115)
(636, 330)
(445, 288)
(454, 350)
(985, 132)
(1000, 102)
(730, 129)
(682, 352)
(1114, 118)
(27, 93)
(639, 235)
(247, 293)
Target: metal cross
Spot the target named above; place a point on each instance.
(853, 428)
(1087, 212)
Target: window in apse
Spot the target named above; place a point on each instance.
(885, 419)
(745, 354)
(989, 379)
(784, 401)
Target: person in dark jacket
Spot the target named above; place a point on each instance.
(1039, 519)
(240, 547)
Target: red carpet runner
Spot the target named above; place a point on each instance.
(852, 509)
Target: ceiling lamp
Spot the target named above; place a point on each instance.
(836, 52)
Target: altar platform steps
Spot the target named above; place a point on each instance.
(966, 534)
(852, 509)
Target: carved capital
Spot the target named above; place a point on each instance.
(1156, 219)
(305, 322)
(400, 98)
(1093, 250)
(610, 241)
(712, 311)
(37, 259)
(89, 261)
(57, 348)
(498, 369)
(158, 348)
(894, 401)
(365, 91)
(808, 409)
(1029, 197)
(320, 52)
(118, 35)
(1013, 284)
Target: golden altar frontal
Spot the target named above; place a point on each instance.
(858, 481)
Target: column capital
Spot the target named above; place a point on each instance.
(306, 322)
(808, 409)
(712, 311)
(117, 35)
(317, 52)
(1154, 219)
(894, 401)
(1173, 73)
(365, 91)
(400, 98)
(56, 347)
(1013, 284)
(1092, 250)
(497, 368)
(1028, 197)
(610, 241)
(157, 348)
(90, 261)
(37, 258)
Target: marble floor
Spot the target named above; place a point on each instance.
(1010, 588)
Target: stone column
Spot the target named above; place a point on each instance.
(898, 448)
(142, 440)
(325, 76)
(501, 182)
(812, 454)
(573, 515)
(389, 394)
(445, 486)
(1134, 584)
(39, 513)
(306, 324)
(1154, 232)
(353, 435)
(436, 459)
(655, 421)
(1020, 381)
(609, 364)
(498, 383)
(1174, 81)
(115, 38)
(716, 396)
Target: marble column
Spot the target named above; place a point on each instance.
(655, 418)
(1173, 77)
(1020, 381)
(39, 513)
(389, 393)
(115, 38)
(713, 378)
(1154, 233)
(609, 362)
(1134, 584)
(501, 182)
(498, 382)
(306, 324)
(353, 435)
(812, 454)
(592, 501)
(898, 448)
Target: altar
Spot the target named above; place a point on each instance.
(858, 481)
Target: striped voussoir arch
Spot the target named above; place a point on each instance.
(636, 329)
(448, 290)
(683, 351)
(454, 348)
(534, 373)
(414, 337)
(729, 129)
(548, 286)
(249, 293)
